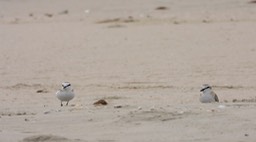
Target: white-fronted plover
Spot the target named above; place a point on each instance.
(66, 93)
(207, 95)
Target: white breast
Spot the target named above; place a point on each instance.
(65, 95)
(206, 97)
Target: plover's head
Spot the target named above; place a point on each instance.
(65, 85)
(204, 87)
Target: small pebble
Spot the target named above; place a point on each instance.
(118, 106)
(21, 113)
(46, 112)
(152, 108)
(64, 12)
(234, 100)
(73, 105)
(48, 15)
(180, 112)
(176, 22)
(206, 21)
(87, 11)
(221, 106)
(139, 108)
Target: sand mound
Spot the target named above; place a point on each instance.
(154, 115)
(48, 138)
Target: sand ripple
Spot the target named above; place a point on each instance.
(48, 138)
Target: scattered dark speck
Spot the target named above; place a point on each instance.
(161, 8)
(234, 100)
(21, 113)
(64, 12)
(46, 112)
(48, 15)
(118, 106)
(42, 91)
(176, 22)
(206, 21)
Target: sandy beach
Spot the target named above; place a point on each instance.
(146, 58)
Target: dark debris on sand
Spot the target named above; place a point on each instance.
(100, 102)
(252, 1)
(48, 138)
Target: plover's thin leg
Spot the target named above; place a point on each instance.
(61, 103)
(67, 103)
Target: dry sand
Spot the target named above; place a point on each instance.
(146, 58)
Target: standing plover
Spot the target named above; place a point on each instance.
(207, 95)
(66, 93)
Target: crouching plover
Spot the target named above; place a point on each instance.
(66, 93)
(207, 95)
